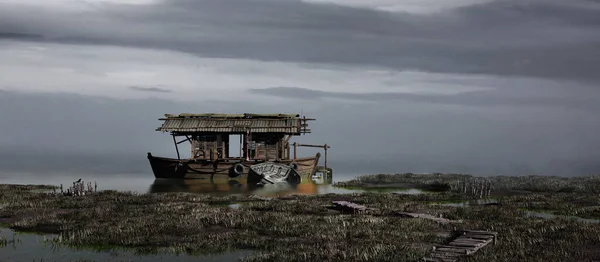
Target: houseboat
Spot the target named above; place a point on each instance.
(262, 138)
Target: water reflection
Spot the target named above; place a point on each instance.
(239, 186)
(33, 247)
(546, 215)
(144, 183)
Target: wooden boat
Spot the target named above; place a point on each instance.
(272, 173)
(193, 168)
(263, 138)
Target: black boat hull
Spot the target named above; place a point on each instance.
(202, 169)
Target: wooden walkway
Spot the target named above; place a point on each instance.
(426, 216)
(465, 244)
(349, 207)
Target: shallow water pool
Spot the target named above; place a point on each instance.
(33, 247)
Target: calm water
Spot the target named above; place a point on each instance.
(146, 183)
(551, 216)
(32, 247)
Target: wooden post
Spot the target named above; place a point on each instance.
(226, 152)
(193, 147)
(247, 145)
(241, 148)
(266, 151)
(219, 143)
(325, 156)
(282, 146)
(176, 147)
(295, 146)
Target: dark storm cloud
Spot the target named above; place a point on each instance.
(150, 89)
(19, 36)
(498, 97)
(88, 134)
(543, 38)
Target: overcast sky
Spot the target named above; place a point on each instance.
(477, 86)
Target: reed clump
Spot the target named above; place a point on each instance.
(432, 182)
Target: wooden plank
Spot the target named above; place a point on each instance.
(478, 235)
(476, 244)
(481, 238)
(316, 146)
(481, 232)
(463, 245)
(474, 241)
(471, 240)
(440, 260)
(346, 206)
(437, 259)
(446, 246)
(424, 216)
(446, 255)
(452, 251)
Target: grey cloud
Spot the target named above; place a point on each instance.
(474, 98)
(19, 36)
(150, 89)
(543, 38)
(89, 134)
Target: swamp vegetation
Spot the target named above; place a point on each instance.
(303, 228)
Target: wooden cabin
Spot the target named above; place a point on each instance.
(263, 137)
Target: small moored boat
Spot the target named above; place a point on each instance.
(272, 173)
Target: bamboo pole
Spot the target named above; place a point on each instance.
(325, 147)
(295, 147)
(176, 147)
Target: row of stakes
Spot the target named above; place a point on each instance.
(79, 188)
(477, 188)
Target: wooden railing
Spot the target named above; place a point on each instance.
(325, 147)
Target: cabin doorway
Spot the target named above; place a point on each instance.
(235, 146)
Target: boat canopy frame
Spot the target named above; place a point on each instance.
(274, 130)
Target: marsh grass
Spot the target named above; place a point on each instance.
(452, 182)
(430, 182)
(302, 228)
(6, 241)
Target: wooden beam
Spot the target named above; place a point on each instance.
(187, 139)
(176, 147)
(326, 147)
(295, 147)
(193, 147)
(241, 147)
(317, 146)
